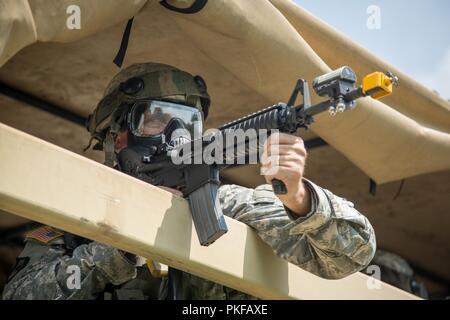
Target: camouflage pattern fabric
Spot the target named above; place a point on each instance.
(333, 241)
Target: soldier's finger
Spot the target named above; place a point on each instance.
(279, 173)
(287, 149)
(283, 138)
(294, 166)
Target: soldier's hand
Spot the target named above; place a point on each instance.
(284, 159)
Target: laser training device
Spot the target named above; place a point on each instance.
(339, 85)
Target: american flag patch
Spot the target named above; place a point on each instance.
(44, 234)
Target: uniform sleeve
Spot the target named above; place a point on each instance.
(46, 272)
(333, 241)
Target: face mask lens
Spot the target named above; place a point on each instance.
(151, 121)
(151, 118)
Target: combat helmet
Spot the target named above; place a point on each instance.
(137, 82)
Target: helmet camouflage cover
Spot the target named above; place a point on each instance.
(144, 81)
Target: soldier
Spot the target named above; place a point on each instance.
(309, 227)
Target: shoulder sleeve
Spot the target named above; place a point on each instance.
(333, 241)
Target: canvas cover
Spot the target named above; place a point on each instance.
(250, 53)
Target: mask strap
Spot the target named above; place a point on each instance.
(89, 144)
(108, 147)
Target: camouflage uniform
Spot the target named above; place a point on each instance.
(334, 240)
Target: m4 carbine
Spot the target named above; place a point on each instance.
(200, 182)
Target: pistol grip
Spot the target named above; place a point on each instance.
(279, 187)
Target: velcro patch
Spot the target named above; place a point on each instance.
(44, 234)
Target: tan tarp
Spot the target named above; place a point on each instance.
(250, 52)
(23, 22)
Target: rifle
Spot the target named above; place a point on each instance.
(200, 182)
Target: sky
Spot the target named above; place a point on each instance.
(412, 35)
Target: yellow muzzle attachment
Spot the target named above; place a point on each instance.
(379, 84)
